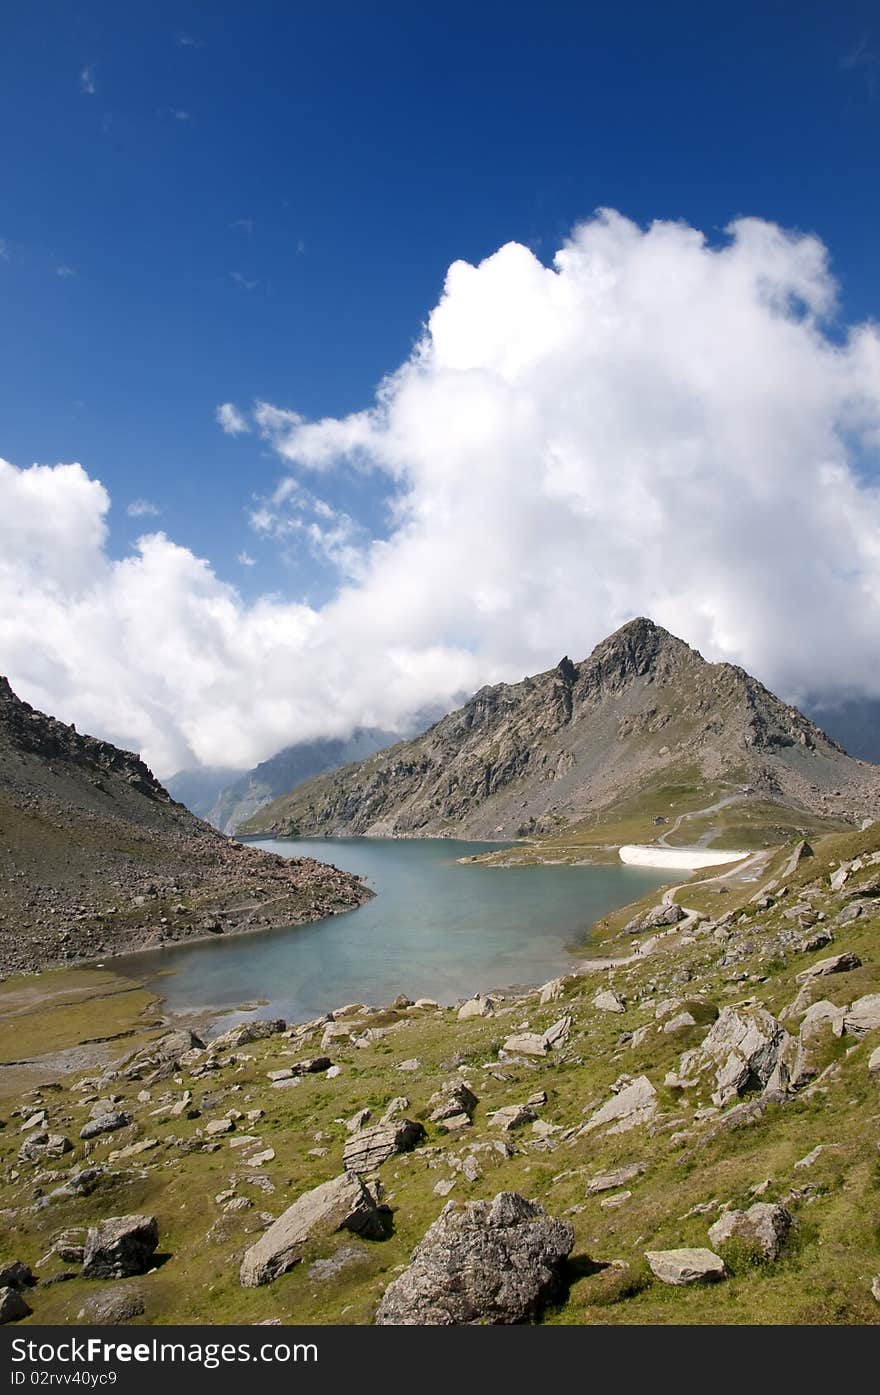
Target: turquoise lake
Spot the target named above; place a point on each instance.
(436, 928)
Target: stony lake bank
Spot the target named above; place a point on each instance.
(685, 1131)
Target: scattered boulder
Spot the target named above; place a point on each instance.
(652, 920)
(105, 1123)
(369, 1148)
(481, 1262)
(763, 1228)
(312, 1065)
(557, 1035)
(606, 1000)
(836, 964)
(800, 852)
(12, 1305)
(552, 990)
(120, 1246)
(343, 1203)
(457, 1099)
(115, 1305)
(818, 940)
(608, 1181)
(68, 1246)
(16, 1275)
(248, 1032)
(687, 1266)
(633, 1105)
(863, 1016)
(874, 1061)
(743, 1045)
(44, 1145)
(853, 910)
(477, 1006)
(680, 1023)
(526, 1044)
(512, 1116)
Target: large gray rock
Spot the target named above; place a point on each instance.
(161, 1057)
(801, 851)
(17, 1275)
(478, 1006)
(633, 1105)
(526, 1044)
(105, 1123)
(457, 1098)
(246, 1032)
(120, 1246)
(512, 1116)
(609, 1181)
(835, 964)
(688, 1266)
(343, 1203)
(369, 1148)
(763, 1227)
(653, 919)
(743, 1046)
(12, 1305)
(606, 1000)
(480, 1262)
(113, 1306)
(863, 1016)
(43, 1145)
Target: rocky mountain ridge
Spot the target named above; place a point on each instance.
(96, 858)
(526, 757)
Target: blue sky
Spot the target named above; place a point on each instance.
(229, 202)
(338, 157)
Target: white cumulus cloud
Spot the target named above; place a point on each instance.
(651, 424)
(143, 508)
(231, 419)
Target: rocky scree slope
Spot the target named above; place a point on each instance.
(528, 757)
(685, 1133)
(96, 858)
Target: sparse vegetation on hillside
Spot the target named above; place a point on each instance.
(808, 1144)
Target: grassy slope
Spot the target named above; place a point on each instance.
(749, 823)
(826, 1272)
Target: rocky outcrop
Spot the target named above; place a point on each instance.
(369, 1148)
(481, 1262)
(743, 1047)
(120, 1246)
(344, 1203)
(524, 758)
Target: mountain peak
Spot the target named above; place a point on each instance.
(636, 648)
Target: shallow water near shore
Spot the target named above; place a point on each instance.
(436, 928)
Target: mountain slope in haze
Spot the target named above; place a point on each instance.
(199, 788)
(241, 798)
(526, 757)
(96, 858)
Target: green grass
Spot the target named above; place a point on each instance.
(825, 1272)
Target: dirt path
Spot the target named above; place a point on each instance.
(695, 814)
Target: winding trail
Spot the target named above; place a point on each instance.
(701, 842)
(748, 870)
